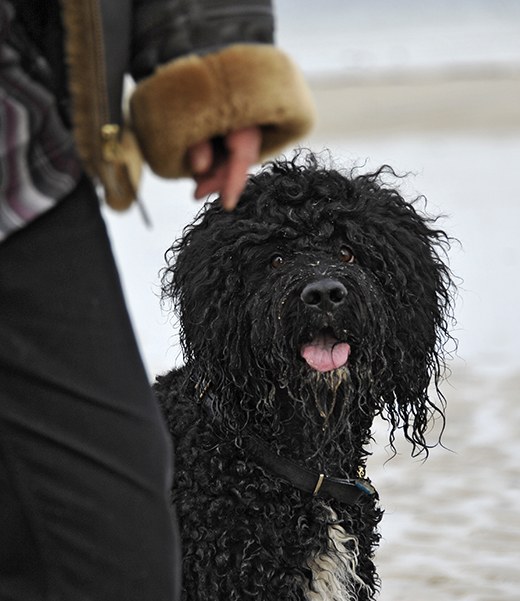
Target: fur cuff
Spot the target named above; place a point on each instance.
(197, 98)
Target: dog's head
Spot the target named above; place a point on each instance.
(317, 285)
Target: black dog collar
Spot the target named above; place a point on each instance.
(306, 480)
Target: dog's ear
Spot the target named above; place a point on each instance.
(410, 265)
(203, 281)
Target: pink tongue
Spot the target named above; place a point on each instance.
(325, 353)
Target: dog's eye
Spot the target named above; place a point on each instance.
(346, 254)
(276, 261)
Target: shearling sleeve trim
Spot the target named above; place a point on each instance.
(196, 98)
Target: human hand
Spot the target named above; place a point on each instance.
(225, 172)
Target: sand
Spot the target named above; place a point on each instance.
(452, 524)
(485, 100)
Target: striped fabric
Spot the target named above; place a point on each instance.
(38, 162)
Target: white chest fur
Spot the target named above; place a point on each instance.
(334, 576)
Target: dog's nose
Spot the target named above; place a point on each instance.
(326, 295)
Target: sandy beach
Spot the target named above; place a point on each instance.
(452, 525)
(484, 100)
(451, 530)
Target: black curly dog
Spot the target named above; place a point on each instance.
(320, 302)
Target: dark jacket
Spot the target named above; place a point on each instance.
(202, 68)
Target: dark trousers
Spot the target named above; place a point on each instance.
(85, 460)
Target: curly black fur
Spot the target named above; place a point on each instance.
(308, 252)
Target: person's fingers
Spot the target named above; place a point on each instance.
(200, 157)
(210, 182)
(208, 159)
(244, 148)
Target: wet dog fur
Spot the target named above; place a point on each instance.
(322, 301)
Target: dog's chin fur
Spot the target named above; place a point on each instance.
(331, 390)
(309, 258)
(323, 401)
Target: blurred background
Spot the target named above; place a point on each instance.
(431, 88)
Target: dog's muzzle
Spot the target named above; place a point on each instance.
(324, 295)
(325, 352)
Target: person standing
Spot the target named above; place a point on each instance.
(85, 461)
